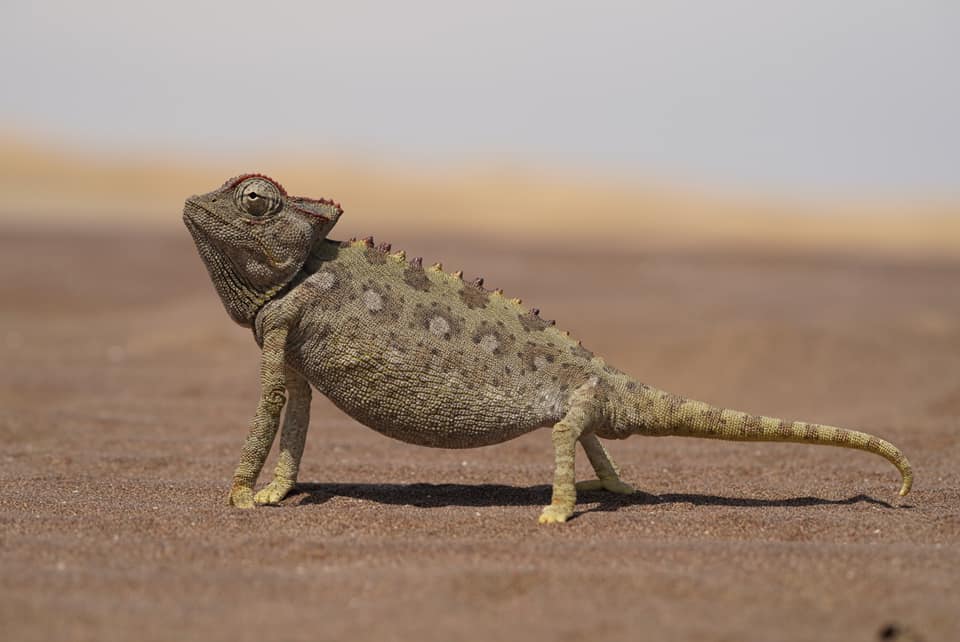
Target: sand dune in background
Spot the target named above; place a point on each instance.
(47, 184)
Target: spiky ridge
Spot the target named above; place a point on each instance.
(322, 201)
(417, 262)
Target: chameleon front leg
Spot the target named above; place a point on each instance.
(293, 435)
(263, 427)
(608, 473)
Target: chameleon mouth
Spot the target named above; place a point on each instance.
(192, 210)
(190, 215)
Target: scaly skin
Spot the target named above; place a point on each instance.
(421, 356)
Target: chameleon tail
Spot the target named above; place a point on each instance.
(663, 414)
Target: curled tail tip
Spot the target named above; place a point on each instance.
(906, 471)
(907, 484)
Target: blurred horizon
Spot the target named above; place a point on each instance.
(792, 99)
(45, 183)
(808, 125)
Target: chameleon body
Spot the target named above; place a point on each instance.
(422, 356)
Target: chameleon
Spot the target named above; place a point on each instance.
(424, 356)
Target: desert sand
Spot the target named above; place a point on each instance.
(125, 393)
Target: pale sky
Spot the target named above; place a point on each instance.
(807, 97)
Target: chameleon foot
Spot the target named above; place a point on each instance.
(554, 514)
(241, 497)
(613, 485)
(274, 492)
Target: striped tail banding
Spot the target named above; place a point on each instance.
(663, 414)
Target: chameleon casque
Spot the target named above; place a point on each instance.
(422, 356)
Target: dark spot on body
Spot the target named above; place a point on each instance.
(533, 323)
(603, 390)
(785, 429)
(474, 297)
(416, 278)
(374, 256)
(534, 357)
(753, 425)
(712, 421)
(581, 352)
(673, 402)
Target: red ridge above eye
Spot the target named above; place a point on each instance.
(236, 180)
(323, 201)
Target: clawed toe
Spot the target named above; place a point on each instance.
(273, 493)
(241, 497)
(554, 514)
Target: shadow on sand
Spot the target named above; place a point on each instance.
(435, 495)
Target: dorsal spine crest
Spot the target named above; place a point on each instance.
(400, 256)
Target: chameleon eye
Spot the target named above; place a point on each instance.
(258, 197)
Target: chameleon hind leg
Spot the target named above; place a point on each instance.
(266, 420)
(579, 419)
(608, 473)
(293, 436)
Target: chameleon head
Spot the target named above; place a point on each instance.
(254, 238)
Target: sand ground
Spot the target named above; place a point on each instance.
(125, 392)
